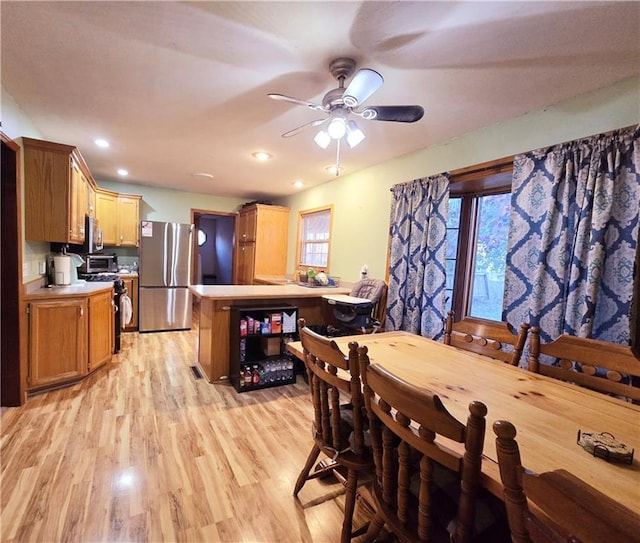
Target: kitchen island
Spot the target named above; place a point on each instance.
(216, 301)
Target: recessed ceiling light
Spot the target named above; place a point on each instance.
(261, 155)
(298, 184)
(202, 174)
(122, 172)
(100, 142)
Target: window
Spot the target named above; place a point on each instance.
(477, 231)
(315, 238)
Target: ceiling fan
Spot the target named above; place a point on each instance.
(341, 103)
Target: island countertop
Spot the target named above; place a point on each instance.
(262, 292)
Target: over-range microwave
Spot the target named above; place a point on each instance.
(98, 263)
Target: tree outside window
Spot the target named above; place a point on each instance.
(477, 232)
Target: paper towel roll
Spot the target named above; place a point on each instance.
(62, 268)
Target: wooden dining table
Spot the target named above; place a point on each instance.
(547, 413)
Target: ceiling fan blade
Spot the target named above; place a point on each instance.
(362, 86)
(283, 98)
(401, 114)
(299, 129)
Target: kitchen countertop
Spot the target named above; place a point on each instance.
(77, 290)
(262, 292)
(287, 280)
(273, 280)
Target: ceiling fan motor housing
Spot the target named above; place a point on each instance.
(341, 68)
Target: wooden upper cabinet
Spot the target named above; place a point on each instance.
(247, 222)
(56, 182)
(118, 216)
(128, 220)
(262, 242)
(79, 202)
(59, 192)
(107, 216)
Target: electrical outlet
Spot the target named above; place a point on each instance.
(42, 267)
(25, 269)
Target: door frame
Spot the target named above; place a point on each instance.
(196, 214)
(14, 318)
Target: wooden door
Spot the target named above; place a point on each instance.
(271, 240)
(47, 192)
(91, 200)
(107, 214)
(247, 222)
(57, 341)
(246, 263)
(74, 188)
(132, 291)
(79, 202)
(101, 329)
(128, 213)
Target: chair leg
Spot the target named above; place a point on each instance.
(375, 526)
(349, 505)
(304, 474)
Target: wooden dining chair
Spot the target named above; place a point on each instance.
(426, 489)
(340, 419)
(599, 365)
(565, 508)
(485, 337)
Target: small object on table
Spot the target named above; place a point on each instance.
(605, 445)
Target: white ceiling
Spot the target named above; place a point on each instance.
(181, 87)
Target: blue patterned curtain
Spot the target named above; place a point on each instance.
(573, 237)
(416, 298)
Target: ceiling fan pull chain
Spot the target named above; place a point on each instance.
(337, 158)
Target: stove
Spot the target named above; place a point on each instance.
(99, 277)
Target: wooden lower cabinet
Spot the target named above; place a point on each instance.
(57, 341)
(101, 332)
(132, 291)
(68, 338)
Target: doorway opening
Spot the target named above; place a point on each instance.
(213, 255)
(13, 381)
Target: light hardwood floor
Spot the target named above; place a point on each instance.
(143, 451)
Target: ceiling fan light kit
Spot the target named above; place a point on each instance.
(354, 134)
(339, 103)
(323, 139)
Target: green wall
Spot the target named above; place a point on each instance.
(362, 200)
(168, 205)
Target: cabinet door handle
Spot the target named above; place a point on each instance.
(81, 311)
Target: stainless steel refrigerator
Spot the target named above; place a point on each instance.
(165, 274)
